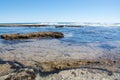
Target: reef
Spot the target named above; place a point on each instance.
(32, 35)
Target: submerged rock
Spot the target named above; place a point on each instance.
(63, 64)
(33, 35)
(50, 66)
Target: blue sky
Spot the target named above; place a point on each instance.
(59, 11)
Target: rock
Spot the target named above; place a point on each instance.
(63, 64)
(67, 71)
(86, 74)
(50, 66)
(5, 69)
(74, 26)
(59, 26)
(33, 35)
(23, 74)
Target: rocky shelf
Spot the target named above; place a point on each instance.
(38, 25)
(50, 66)
(12, 70)
(32, 35)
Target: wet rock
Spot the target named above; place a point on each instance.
(74, 26)
(8, 67)
(59, 26)
(23, 74)
(5, 69)
(63, 64)
(50, 66)
(86, 75)
(33, 35)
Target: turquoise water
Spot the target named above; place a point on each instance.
(73, 35)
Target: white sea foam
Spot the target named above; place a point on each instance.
(82, 24)
(68, 34)
(99, 24)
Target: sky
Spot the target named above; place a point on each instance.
(104, 11)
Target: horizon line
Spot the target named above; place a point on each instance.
(59, 22)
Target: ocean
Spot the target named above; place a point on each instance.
(98, 46)
(73, 35)
(97, 41)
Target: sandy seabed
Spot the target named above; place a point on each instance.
(29, 53)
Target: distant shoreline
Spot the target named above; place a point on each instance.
(18, 25)
(58, 25)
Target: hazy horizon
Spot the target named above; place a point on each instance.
(60, 22)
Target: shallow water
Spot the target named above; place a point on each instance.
(73, 35)
(79, 42)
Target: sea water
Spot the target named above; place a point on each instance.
(73, 35)
(78, 42)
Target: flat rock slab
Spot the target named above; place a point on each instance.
(32, 35)
(50, 66)
(71, 73)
